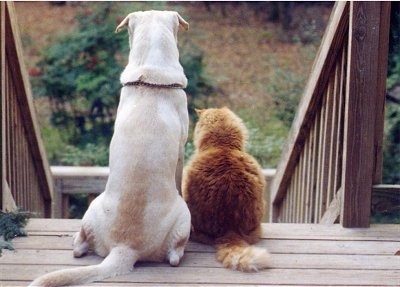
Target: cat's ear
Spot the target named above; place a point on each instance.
(199, 111)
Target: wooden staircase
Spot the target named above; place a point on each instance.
(333, 160)
(330, 167)
(25, 174)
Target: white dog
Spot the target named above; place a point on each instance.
(140, 215)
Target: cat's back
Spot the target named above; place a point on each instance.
(224, 161)
(224, 191)
(223, 174)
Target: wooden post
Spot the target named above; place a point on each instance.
(368, 26)
(2, 102)
(57, 201)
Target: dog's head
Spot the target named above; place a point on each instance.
(170, 19)
(154, 55)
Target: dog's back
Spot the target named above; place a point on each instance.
(150, 132)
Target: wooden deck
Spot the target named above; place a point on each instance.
(302, 255)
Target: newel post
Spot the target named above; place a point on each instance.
(364, 116)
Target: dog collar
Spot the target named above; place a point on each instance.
(150, 85)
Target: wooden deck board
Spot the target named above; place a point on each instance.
(302, 255)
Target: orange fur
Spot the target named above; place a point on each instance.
(223, 187)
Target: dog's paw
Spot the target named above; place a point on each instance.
(173, 258)
(81, 249)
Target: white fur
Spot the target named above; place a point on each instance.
(140, 215)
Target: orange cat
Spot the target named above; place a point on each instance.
(223, 187)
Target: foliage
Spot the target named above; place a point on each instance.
(88, 155)
(394, 46)
(391, 151)
(80, 77)
(392, 217)
(78, 205)
(79, 74)
(266, 140)
(11, 226)
(286, 88)
(199, 85)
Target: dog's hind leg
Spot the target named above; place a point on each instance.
(179, 169)
(81, 244)
(179, 235)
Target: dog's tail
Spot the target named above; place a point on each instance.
(236, 253)
(120, 261)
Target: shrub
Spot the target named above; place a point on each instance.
(81, 78)
(79, 74)
(286, 88)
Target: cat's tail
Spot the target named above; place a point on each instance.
(237, 254)
(120, 261)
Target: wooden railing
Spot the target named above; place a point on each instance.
(25, 175)
(334, 152)
(91, 181)
(69, 180)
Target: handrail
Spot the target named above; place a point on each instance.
(90, 180)
(24, 167)
(333, 154)
(312, 95)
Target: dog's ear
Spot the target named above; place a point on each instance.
(182, 22)
(123, 24)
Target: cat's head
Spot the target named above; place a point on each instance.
(219, 128)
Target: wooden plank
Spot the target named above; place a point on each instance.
(120, 284)
(333, 211)
(331, 43)
(313, 163)
(80, 171)
(82, 185)
(378, 232)
(92, 180)
(8, 200)
(2, 103)
(301, 254)
(327, 166)
(321, 152)
(361, 98)
(215, 276)
(303, 182)
(57, 199)
(295, 190)
(56, 225)
(292, 246)
(385, 198)
(338, 156)
(334, 135)
(387, 188)
(207, 260)
(124, 284)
